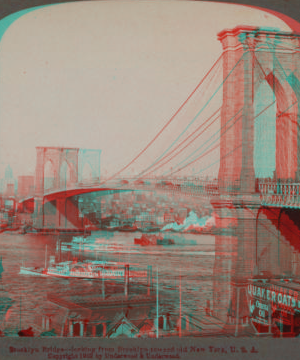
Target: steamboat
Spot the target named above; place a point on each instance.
(87, 269)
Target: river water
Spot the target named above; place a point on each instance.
(191, 259)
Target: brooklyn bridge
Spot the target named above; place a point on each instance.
(260, 72)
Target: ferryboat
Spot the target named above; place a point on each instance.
(88, 269)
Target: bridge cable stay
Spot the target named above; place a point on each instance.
(264, 73)
(210, 144)
(240, 144)
(224, 156)
(278, 98)
(214, 134)
(279, 63)
(219, 87)
(177, 113)
(182, 149)
(282, 47)
(167, 123)
(165, 153)
(271, 46)
(216, 139)
(202, 153)
(221, 135)
(225, 132)
(175, 155)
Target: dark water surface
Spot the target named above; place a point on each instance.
(195, 263)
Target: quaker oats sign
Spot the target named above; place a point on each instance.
(258, 304)
(275, 306)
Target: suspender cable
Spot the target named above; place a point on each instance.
(202, 109)
(168, 122)
(196, 137)
(241, 144)
(194, 152)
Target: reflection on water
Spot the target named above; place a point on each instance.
(184, 281)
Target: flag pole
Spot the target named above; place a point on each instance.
(180, 315)
(157, 302)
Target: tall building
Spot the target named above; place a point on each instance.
(8, 183)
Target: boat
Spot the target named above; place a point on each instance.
(32, 271)
(148, 240)
(128, 228)
(165, 242)
(87, 269)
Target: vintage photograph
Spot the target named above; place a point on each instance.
(149, 177)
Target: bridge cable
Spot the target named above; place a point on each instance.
(241, 144)
(165, 153)
(226, 130)
(271, 103)
(200, 156)
(196, 137)
(195, 151)
(219, 87)
(168, 122)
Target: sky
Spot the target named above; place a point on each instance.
(109, 75)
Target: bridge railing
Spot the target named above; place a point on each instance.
(280, 193)
(279, 188)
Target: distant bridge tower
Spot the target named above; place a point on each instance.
(62, 168)
(52, 166)
(251, 57)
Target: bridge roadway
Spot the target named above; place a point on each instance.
(278, 194)
(176, 186)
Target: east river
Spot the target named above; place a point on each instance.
(192, 259)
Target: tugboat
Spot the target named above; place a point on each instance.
(151, 240)
(165, 242)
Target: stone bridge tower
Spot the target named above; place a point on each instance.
(252, 57)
